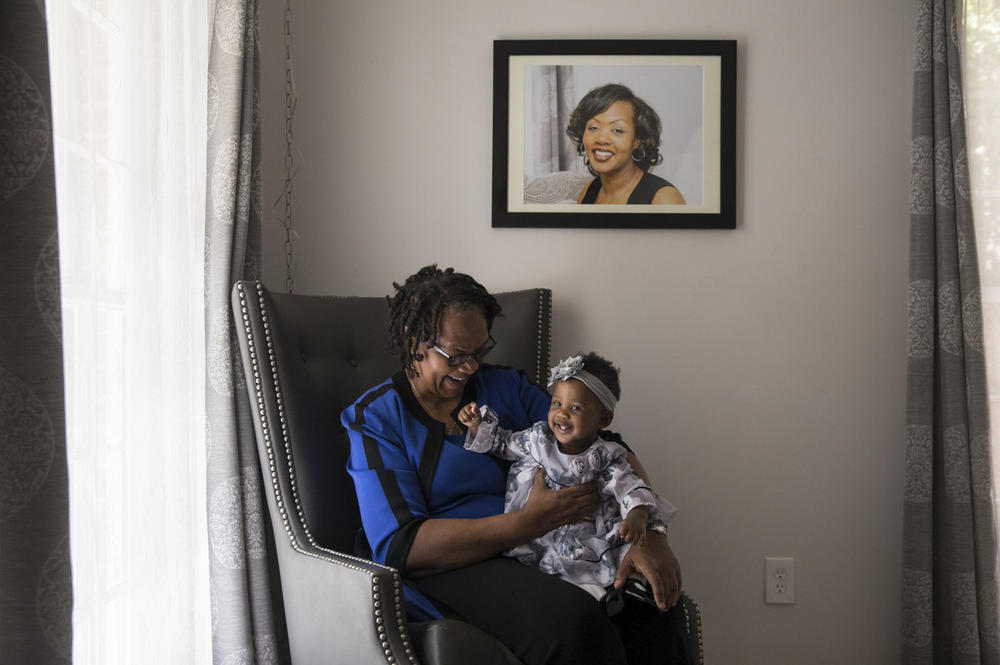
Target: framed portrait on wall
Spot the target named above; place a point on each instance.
(614, 134)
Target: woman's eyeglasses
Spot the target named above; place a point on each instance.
(462, 358)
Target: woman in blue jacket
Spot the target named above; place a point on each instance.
(434, 510)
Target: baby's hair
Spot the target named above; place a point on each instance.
(603, 369)
(416, 308)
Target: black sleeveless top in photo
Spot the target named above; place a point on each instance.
(643, 193)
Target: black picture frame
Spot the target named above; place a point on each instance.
(684, 75)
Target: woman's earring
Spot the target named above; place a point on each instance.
(642, 158)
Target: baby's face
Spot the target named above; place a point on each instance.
(575, 415)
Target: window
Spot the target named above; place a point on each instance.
(129, 83)
(982, 109)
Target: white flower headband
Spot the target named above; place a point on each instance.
(572, 368)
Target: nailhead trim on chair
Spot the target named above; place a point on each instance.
(376, 579)
(544, 345)
(687, 626)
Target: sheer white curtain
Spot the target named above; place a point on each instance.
(982, 108)
(129, 106)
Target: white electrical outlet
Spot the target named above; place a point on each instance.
(779, 580)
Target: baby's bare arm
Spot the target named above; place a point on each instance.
(633, 527)
(470, 417)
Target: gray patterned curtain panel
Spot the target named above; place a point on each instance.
(248, 624)
(36, 596)
(949, 548)
(552, 91)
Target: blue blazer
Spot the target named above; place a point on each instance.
(406, 469)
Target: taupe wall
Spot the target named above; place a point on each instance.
(763, 368)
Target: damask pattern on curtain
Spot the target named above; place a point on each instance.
(949, 552)
(36, 596)
(247, 621)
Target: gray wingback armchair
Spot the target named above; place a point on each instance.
(305, 359)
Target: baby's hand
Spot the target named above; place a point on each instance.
(470, 417)
(633, 527)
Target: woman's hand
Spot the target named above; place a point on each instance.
(547, 509)
(447, 543)
(657, 563)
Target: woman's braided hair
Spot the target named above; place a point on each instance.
(415, 310)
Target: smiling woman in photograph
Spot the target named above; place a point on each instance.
(618, 136)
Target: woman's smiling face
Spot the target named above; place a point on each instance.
(460, 331)
(609, 138)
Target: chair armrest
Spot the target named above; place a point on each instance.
(342, 609)
(350, 610)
